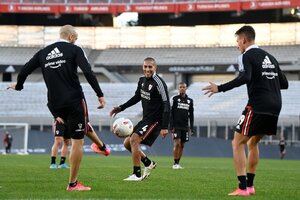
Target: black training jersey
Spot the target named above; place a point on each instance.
(59, 62)
(153, 93)
(182, 109)
(262, 74)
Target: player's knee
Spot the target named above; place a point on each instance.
(177, 144)
(235, 144)
(57, 141)
(126, 143)
(134, 140)
(66, 141)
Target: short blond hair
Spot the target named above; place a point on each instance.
(67, 30)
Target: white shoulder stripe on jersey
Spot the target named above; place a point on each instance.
(83, 52)
(240, 62)
(172, 100)
(161, 88)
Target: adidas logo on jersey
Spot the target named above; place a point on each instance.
(267, 63)
(55, 53)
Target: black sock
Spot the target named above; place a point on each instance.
(146, 161)
(62, 160)
(250, 179)
(176, 161)
(103, 147)
(53, 159)
(73, 184)
(137, 171)
(242, 182)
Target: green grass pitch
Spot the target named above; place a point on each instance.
(29, 177)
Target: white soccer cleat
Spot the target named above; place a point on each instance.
(133, 177)
(148, 169)
(177, 166)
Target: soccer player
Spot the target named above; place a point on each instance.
(7, 141)
(152, 91)
(60, 138)
(59, 62)
(282, 149)
(264, 78)
(182, 122)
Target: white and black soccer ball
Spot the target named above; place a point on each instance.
(122, 127)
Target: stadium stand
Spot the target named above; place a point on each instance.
(230, 104)
(214, 117)
(31, 102)
(20, 55)
(269, 34)
(16, 56)
(286, 55)
(215, 113)
(190, 56)
(30, 105)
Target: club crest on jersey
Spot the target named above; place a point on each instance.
(150, 86)
(178, 100)
(188, 101)
(57, 132)
(79, 128)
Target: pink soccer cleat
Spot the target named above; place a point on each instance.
(96, 149)
(251, 190)
(239, 192)
(78, 187)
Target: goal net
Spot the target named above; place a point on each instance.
(19, 133)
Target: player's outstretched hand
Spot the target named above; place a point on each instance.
(115, 111)
(13, 87)
(210, 89)
(102, 102)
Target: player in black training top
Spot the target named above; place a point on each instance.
(181, 122)
(152, 91)
(7, 141)
(260, 71)
(59, 62)
(282, 149)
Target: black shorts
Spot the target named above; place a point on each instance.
(61, 130)
(281, 148)
(75, 118)
(148, 130)
(183, 135)
(251, 123)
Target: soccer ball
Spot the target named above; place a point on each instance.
(122, 127)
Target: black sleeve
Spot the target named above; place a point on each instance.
(166, 103)
(54, 114)
(245, 73)
(133, 100)
(284, 84)
(84, 65)
(173, 106)
(27, 69)
(191, 115)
